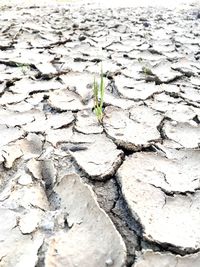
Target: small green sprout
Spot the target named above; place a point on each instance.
(147, 71)
(25, 68)
(98, 91)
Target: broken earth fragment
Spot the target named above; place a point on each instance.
(17, 249)
(10, 154)
(87, 241)
(185, 134)
(31, 145)
(176, 171)
(22, 193)
(9, 134)
(49, 56)
(130, 89)
(67, 100)
(86, 123)
(50, 121)
(58, 136)
(150, 258)
(29, 222)
(131, 130)
(80, 83)
(106, 160)
(164, 73)
(163, 214)
(43, 170)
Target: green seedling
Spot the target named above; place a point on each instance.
(24, 68)
(147, 71)
(98, 92)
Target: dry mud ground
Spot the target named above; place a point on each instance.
(74, 192)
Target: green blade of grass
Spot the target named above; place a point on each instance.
(98, 96)
(101, 89)
(95, 91)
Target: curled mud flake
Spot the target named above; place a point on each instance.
(106, 161)
(49, 57)
(9, 134)
(185, 134)
(149, 258)
(67, 100)
(130, 89)
(92, 230)
(10, 154)
(87, 123)
(161, 203)
(130, 130)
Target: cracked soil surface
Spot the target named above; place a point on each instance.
(74, 192)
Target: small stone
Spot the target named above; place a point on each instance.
(75, 25)
(81, 38)
(109, 262)
(146, 24)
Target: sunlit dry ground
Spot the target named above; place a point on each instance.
(75, 192)
(106, 3)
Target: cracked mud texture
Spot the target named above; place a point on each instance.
(74, 192)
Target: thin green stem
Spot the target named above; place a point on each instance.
(98, 92)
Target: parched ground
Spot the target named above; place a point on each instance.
(76, 193)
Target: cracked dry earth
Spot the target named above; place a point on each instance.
(77, 193)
